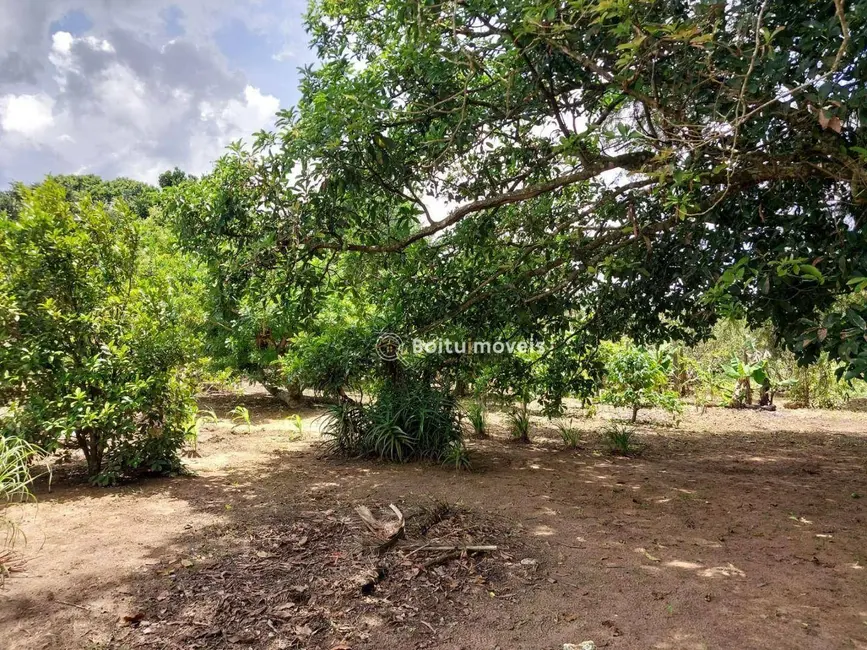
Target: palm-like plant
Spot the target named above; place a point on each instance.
(478, 417)
(16, 457)
(519, 423)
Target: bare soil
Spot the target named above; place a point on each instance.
(737, 529)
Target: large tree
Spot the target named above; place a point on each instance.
(600, 167)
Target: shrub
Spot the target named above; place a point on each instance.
(457, 456)
(519, 424)
(570, 435)
(411, 420)
(635, 379)
(621, 440)
(16, 456)
(478, 417)
(94, 334)
(343, 426)
(408, 420)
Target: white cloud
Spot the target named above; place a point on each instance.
(244, 115)
(284, 55)
(133, 95)
(29, 116)
(121, 107)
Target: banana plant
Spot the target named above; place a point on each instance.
(743, 373)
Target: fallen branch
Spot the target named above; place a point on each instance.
(440, 559)
(453, 553)
(387, 533)
(463, 549)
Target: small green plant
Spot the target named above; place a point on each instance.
(570, 435)
(241, 416)
(343, 428)
(621, 440)
(207, 415)
(458, 457)
(16, 456)
(297, 423)
(519, 424)
(478, 417)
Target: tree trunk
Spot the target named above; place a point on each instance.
(290, 396)
(635, 408)
(89, 443)
(766, 397)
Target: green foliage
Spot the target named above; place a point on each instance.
(458, 457)
(173, 177)
(94, 335)
(344, 428)
(516, 113)
(753, 358)
(621, 440)
(16, 457)
(138, 197)
(569, 434)
(241, 417)
(298, 424)
(519, 423)
(478, 416)
(408, 420)
(635, 379)
(818, 385)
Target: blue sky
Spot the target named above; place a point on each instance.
(133, 87)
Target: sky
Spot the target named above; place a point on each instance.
(134, 87)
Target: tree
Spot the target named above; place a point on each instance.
(607, 168)
(94, 331)
(636, 380)
(139, 197)
(173, 177)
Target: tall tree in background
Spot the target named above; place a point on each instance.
(138, 196)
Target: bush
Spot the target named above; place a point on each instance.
(621, 440)
(478, 417)
(457, 457)
(95, 332)
(635, 379)
(519, 424)
(407, 421)
(570, 435)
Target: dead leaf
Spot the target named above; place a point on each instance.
(303, 630)
(246, 636)
(833, 122)
(823, 120)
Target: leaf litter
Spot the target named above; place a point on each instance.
(328, 578)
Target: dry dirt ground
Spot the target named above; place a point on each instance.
(736, 530)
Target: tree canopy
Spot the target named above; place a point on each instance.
(572, 171)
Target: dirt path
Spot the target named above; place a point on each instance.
(737, 530)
